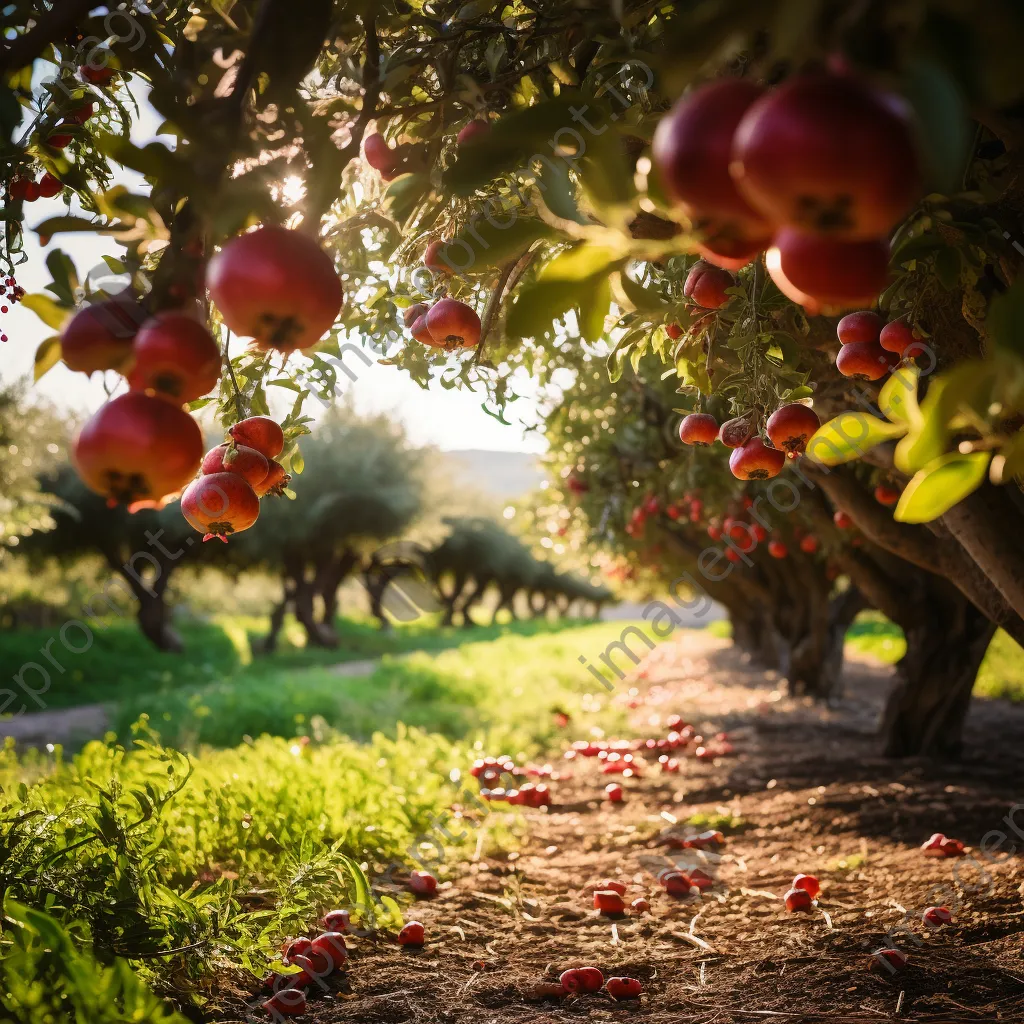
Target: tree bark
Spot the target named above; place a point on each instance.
(154, 620)
(329, 578)
(277, 621)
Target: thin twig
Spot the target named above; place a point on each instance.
(509, 277)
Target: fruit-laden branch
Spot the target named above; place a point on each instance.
(49, 27)
(914, 545)
(741, 578)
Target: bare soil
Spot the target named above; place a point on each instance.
(806, 792)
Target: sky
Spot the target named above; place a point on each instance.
(448, 419)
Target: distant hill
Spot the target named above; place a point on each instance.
(502, 475)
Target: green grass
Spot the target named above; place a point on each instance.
(120, 662)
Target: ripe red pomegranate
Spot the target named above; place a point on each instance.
(860, 326)
(261, 433)
(798, 900)
(433, 258)
(19, 188)
(777, 549)
(864, 360)
(691, 151)
(99, 337)
(453, 324)
(175, 357)
(714, 531)
(337, 921)
(886, 495)
(273, 483)
(289, 1002)
(413, 934)
(138, 448)
(706, 285)
(219, 505)
(808, 883)
(898, 337)
(414, 312)
(231, 458)
(842, 520)
(297, 947)
(756, 461)
(624, 988)
(276, 286)
(49, 186)
(59, 140)
(475, 129)
(699, 428)
(791, 427)
(423, 883)
(378, 154)
(732, 253)
(829, 154)
(827, 274)
(421, 332)
(330, 946)
(736, 432)
(589, 979)
(808, 544)
(82, 113)
(96, 76)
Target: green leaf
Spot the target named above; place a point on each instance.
(53, 225)
(51, 313)
(540, 304)
(580, 263)
(402, 195)
(484, 243)
(594, 309)
(646, 300)
(940, 485)
(947, 267)
(942, 114)
(897, 400)
(47, 356)
(65, 278)
(928, 436)
(849, 436)
(1005, 321)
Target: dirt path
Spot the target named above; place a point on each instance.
(806, 792)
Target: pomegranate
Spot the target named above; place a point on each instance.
(842, 520)
(453, 324)
(706, 285)
(378, 154)
(808, 544)
(691, 151)
(20, 188)
(330, 947)
(421, 332)
(423, 883)
(624, 988)
(289, 1002)
(714, 531)
(261, 433)
(640, 906)
(860, 326)
(138, 448)
(864, 360)
(829, 154)
(570, 981)
(936, 917)
(49, 186)
(736, 432)
(99, 337)
(96, 76)
(888, 960)
(676, 883)
(698, 429)
(618, 887)
(613, 793)
(475, 129)
(337, 921)
(434, 259)
(898, 337)
(886, 495)
(590, 979)
(808, 883)
(297, 947)
(756, 461)
(274, 482)
(674, 331)
(413, 934)
(608, 901)
(220, 504)
(414, 312)
(175, 357)
(823, 273)
(231, 458)
(798, 900)
(777, 549)
(791, 427)
(277, 286)
(732, 253)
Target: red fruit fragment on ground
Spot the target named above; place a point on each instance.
(624, 988)
(798, 900)
(413, 934)
(423, 883)
(808, 883)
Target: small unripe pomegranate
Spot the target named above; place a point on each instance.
(843, 520)
(791, 427)
(219, 505)
(378, 154)
(756, 461)
(674, 331)
(138, 448)
(99, 336)
(798, 900)
(175, 357)
(732, 252)
(777, 549)
(624, 988)
(860, 326)
(808, 883)
(49, 186)
(898, 337)
(886, 495)
(863, 360)
(96, 76)
(247, 462)
(714, 531)
(736, 432)
(276, 286)
(830, 154)
(823, 274)
(413, 934)
(475, 129)
(261, 433)
(453, 324)
(936, 917)
(274, 482)
(608, 901)
(699, 428)
(289, 1002)
(423, 883)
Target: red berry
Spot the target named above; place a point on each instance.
(475, 129)
(777, 549)
(809, 544)
(613, 793)
(422, 883)
(936, 917)
(886, 495)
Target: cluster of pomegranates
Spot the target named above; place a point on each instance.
(10, 293)
(407, 156)
(871, 347)
(788, 430)
(581, 980)
(316, 958)
(817, 171)
(448, 324)
(492, 772)
(225, 498)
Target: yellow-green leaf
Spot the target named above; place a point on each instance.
(580, 263)
(47, 356)
(940, 485)
(928, 437)
(897, 400)
(849, 436)
(51, 313)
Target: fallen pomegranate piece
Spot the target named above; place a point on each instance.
(808, 883)
(640, 906)
(614, 886)
(330, 946)
(423, 883)
(798, 900)
(290, 1002)
(936, 917)
(413, 934)
(337, 921)
(624, 988)
(887, 960)
(609, 902)
(613, 793)
(570, 981)
(297, 947)
(590, 979)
